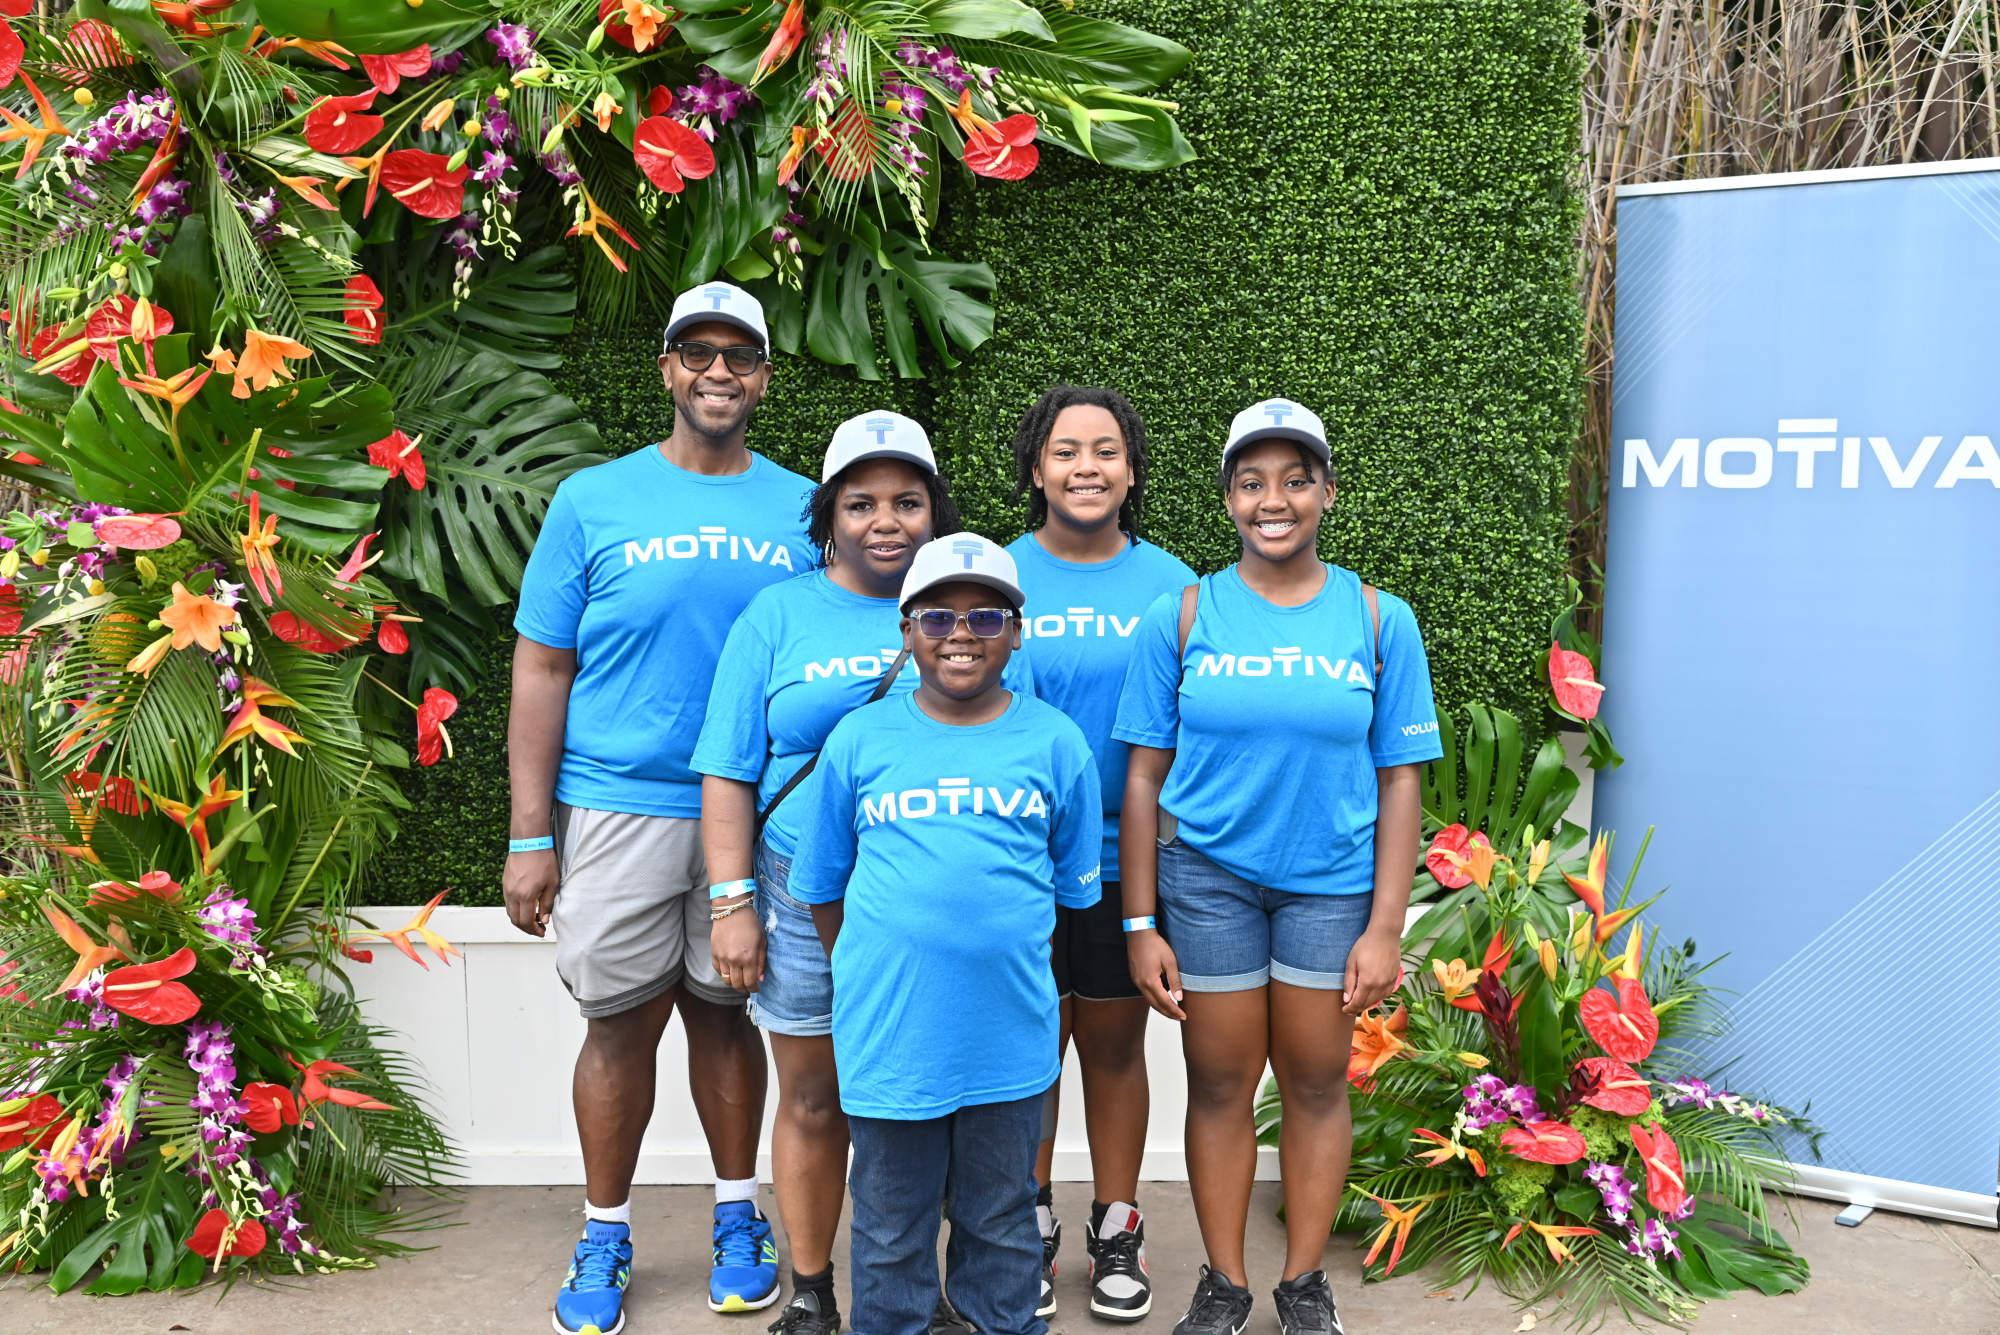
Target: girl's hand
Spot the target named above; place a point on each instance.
(1155, 972)
(737, 944)
(1374, 967)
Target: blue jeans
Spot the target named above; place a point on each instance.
(796, 996)
(977, 1166)
(1232, 935)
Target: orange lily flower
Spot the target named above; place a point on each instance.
(439, 113)
(196, 619)
(1498, 959)
(151, 656)
(89, 955)
(260, 545)
(1454, 979)
(1377, 1042)
(790, 32)
(307, 188)
(63, 1155)
(420, 924)
(1449, 1149)
(193, 817)
(643, 22)
(1396, 1219)
(592, 224)
(604, 107)
(1546, 952)
(1590, 887)
(263, 361)
(35, 136)
(315, 1089)
(1538, 861)
(1477, 862)
(1552, 1235)
(250, 721)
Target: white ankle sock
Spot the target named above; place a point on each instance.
(1045, 1219)
(735, 1189)
(609, 1214)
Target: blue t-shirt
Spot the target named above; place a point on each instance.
(803, 655)
(1278, 726)
(952, 847)
(1078, 628)
(641, 567)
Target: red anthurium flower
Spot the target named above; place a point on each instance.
(358, 560)
(294, 629)
(422, 183)
(671, 154)
(12, 49)
(659, 100)
(121, 317)
(432, 740)
(1624, 1026)
(1005, 152)
(1575, 683)
(1666, 1182)
(155, 883)
(1620, 1089)
(848, 147)
(34, 1122)
(76, 369)
(116, 793)
(364, 299)
(399, 454)
(138, 533)
(315, 1089)
(10, 610)
(342, 124)
(271, 1106)
(247, 1240)
(147, 992)
(1451, 839)
(388, 72)
(16, 9)
(1544, 1142)
(392, 637)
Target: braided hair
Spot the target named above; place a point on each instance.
(1033, 433)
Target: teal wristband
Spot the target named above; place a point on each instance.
(724, 889)
(1145, 924)
(534, 845)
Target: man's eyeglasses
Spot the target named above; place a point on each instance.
(988, 623)
(701, 356)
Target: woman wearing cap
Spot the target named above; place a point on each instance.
(801, 657)
(1277, 714)
(1080, 458)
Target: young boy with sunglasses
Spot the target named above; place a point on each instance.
(945, 827)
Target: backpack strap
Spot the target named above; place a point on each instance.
(800, 775)
(1375, 620)
(1189, 597)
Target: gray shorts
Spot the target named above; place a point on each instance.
(631, 914)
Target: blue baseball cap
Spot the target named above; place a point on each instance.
(878, 435)
(1277, 419)
(717, 301)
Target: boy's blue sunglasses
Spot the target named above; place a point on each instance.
(987, 623)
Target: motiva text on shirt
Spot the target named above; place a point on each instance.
(857, 665)
(711, 541)
(954, 797)
(1281, 662)
(1745, 463)
(1078, 621)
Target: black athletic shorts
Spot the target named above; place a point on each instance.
(1088, 950)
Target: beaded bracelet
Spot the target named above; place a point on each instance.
(718, 914)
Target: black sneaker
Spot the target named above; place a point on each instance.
(1218, 1307)
(947, 1321)
(1305, 1306)
(808, 1313)
(1120, 1289)
(1051, 1243)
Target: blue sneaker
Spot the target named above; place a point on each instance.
(745, 1276)
(591, 1300)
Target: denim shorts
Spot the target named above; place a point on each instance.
(796, 996)
(1232, 935)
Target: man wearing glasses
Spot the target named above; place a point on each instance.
(641, 567)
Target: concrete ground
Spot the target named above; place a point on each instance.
(498, 1272)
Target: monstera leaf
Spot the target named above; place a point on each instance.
(496, 440)
(519, 308)
(371, 27)
(865, 273)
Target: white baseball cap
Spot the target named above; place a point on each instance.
(1277, 419)
(962, 558)
(877, 435)
(717, 301)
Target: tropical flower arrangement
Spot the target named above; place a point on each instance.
(1526, 1106)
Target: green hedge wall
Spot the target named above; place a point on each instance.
(1382, 225)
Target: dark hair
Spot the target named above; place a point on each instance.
(1315, 465)
(1033, 433)
(818, 514)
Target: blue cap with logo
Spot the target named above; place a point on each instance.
(717, 301)
(962, 558)
(877, 435)
(1277, 419)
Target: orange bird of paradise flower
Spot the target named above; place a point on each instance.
(1553, 1235)
(593, 225)
(35, 136)
(193, 816)
(1447, 1150)
(790, 32)
(260, 545)
(420, 924)
(316, 1089)
(251, 721)
(89, 955)
(1396, 1220)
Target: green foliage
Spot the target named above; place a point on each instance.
(1381, 224)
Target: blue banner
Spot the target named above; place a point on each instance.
(1802, 639)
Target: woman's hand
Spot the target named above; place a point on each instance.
(737, 944)
(529, 884)
(1155, 972)
(1374, 967)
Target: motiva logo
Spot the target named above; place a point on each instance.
(860, 665)
(954, 797)
(1078, 621)
(715, 542)
(1281, 662)
(1745, 463)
